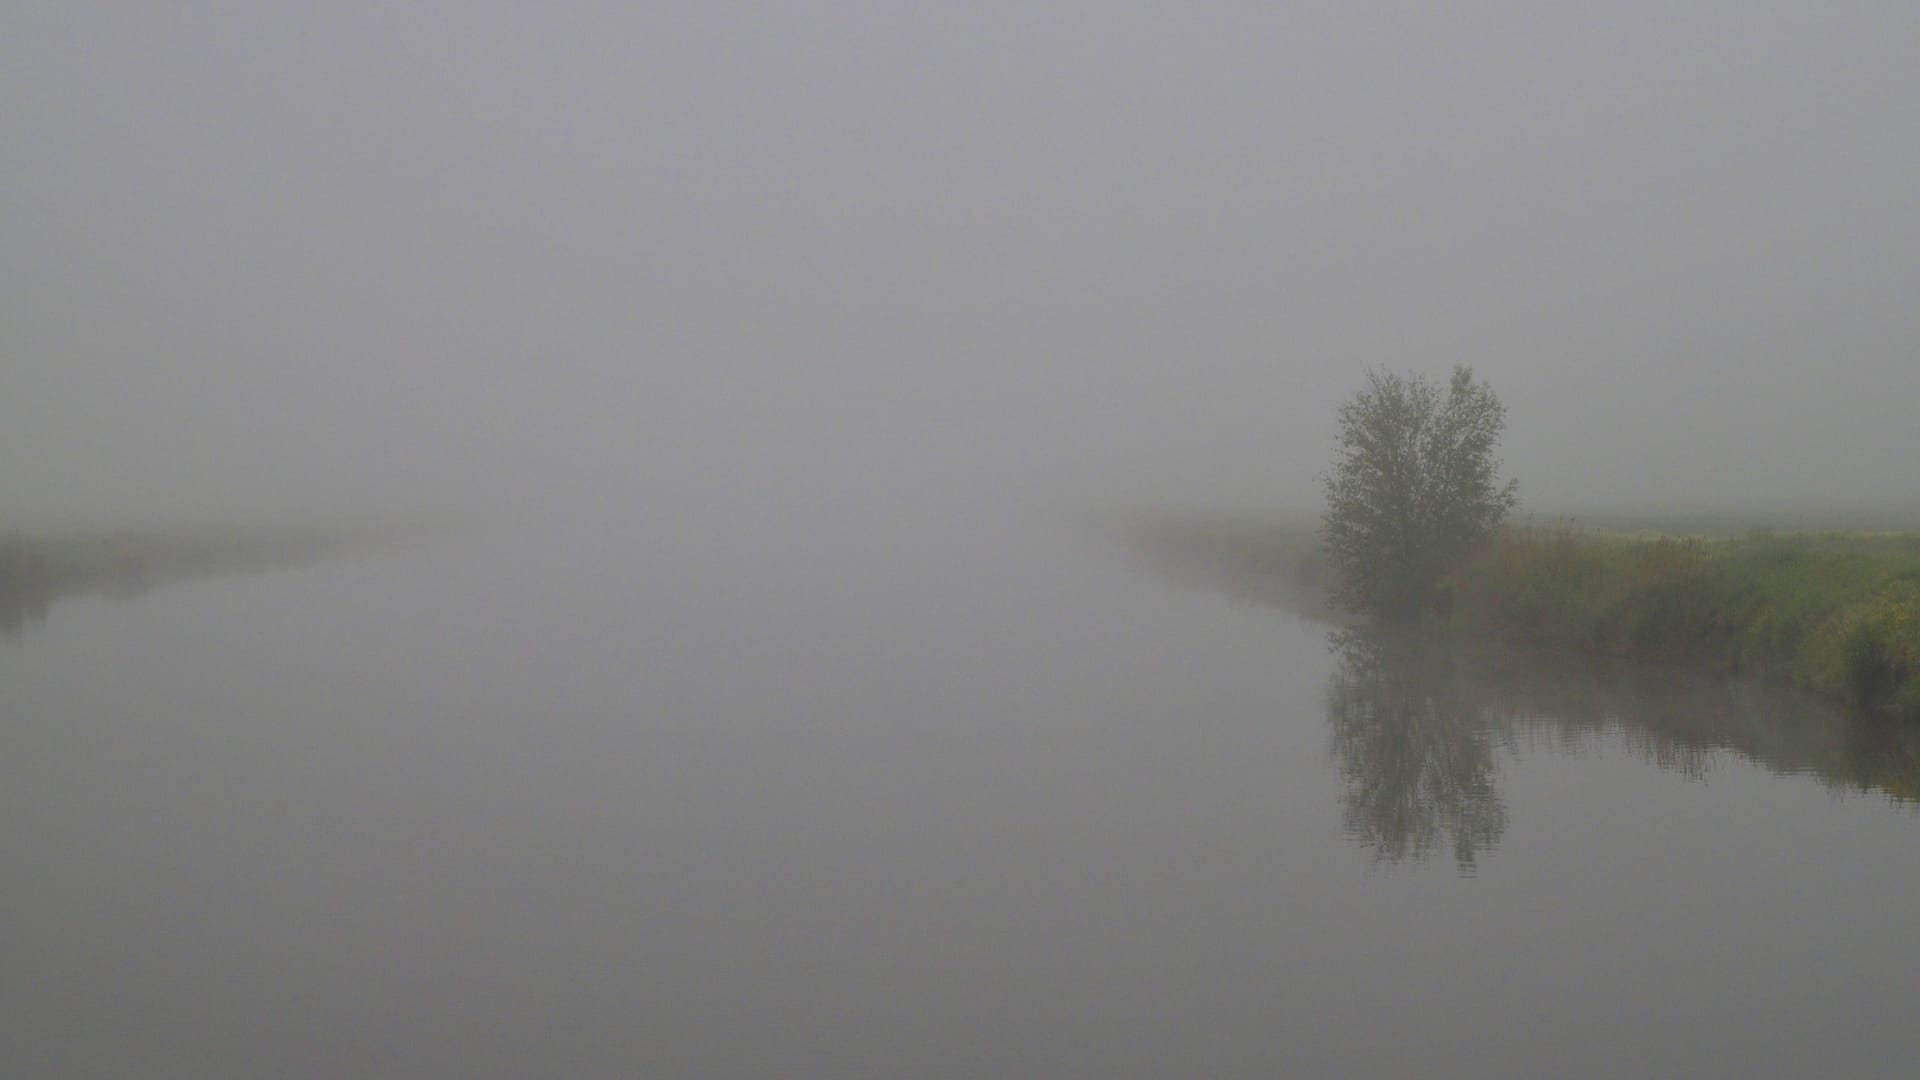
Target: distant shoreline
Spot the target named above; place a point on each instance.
(37, 571)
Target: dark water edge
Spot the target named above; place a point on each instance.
(1420, 727)
(37, 572)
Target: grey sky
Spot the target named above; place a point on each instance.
(262, 257)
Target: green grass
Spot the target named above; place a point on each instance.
(1838, 613)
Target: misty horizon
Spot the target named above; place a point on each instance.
(355, 259)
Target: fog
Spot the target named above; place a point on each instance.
(267, 260)
(796, 726)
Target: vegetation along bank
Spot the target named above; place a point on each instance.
(1838, 613)
(36, 570)
(1416, 533)
(1835, 612)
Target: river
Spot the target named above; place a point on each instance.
(910, 796)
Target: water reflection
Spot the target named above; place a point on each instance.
(1419, 728)
(1416, 752)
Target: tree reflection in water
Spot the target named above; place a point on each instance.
(1419, 727)
(1416, 753)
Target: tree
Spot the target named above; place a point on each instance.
(1413, 486)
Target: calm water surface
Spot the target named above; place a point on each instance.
(910, 799)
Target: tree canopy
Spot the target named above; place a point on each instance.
(1413, 485)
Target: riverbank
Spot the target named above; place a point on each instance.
(1837, 613)
(36, 570)
(1274, 558)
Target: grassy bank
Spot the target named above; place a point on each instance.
(1838, 613)
(38, 569)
